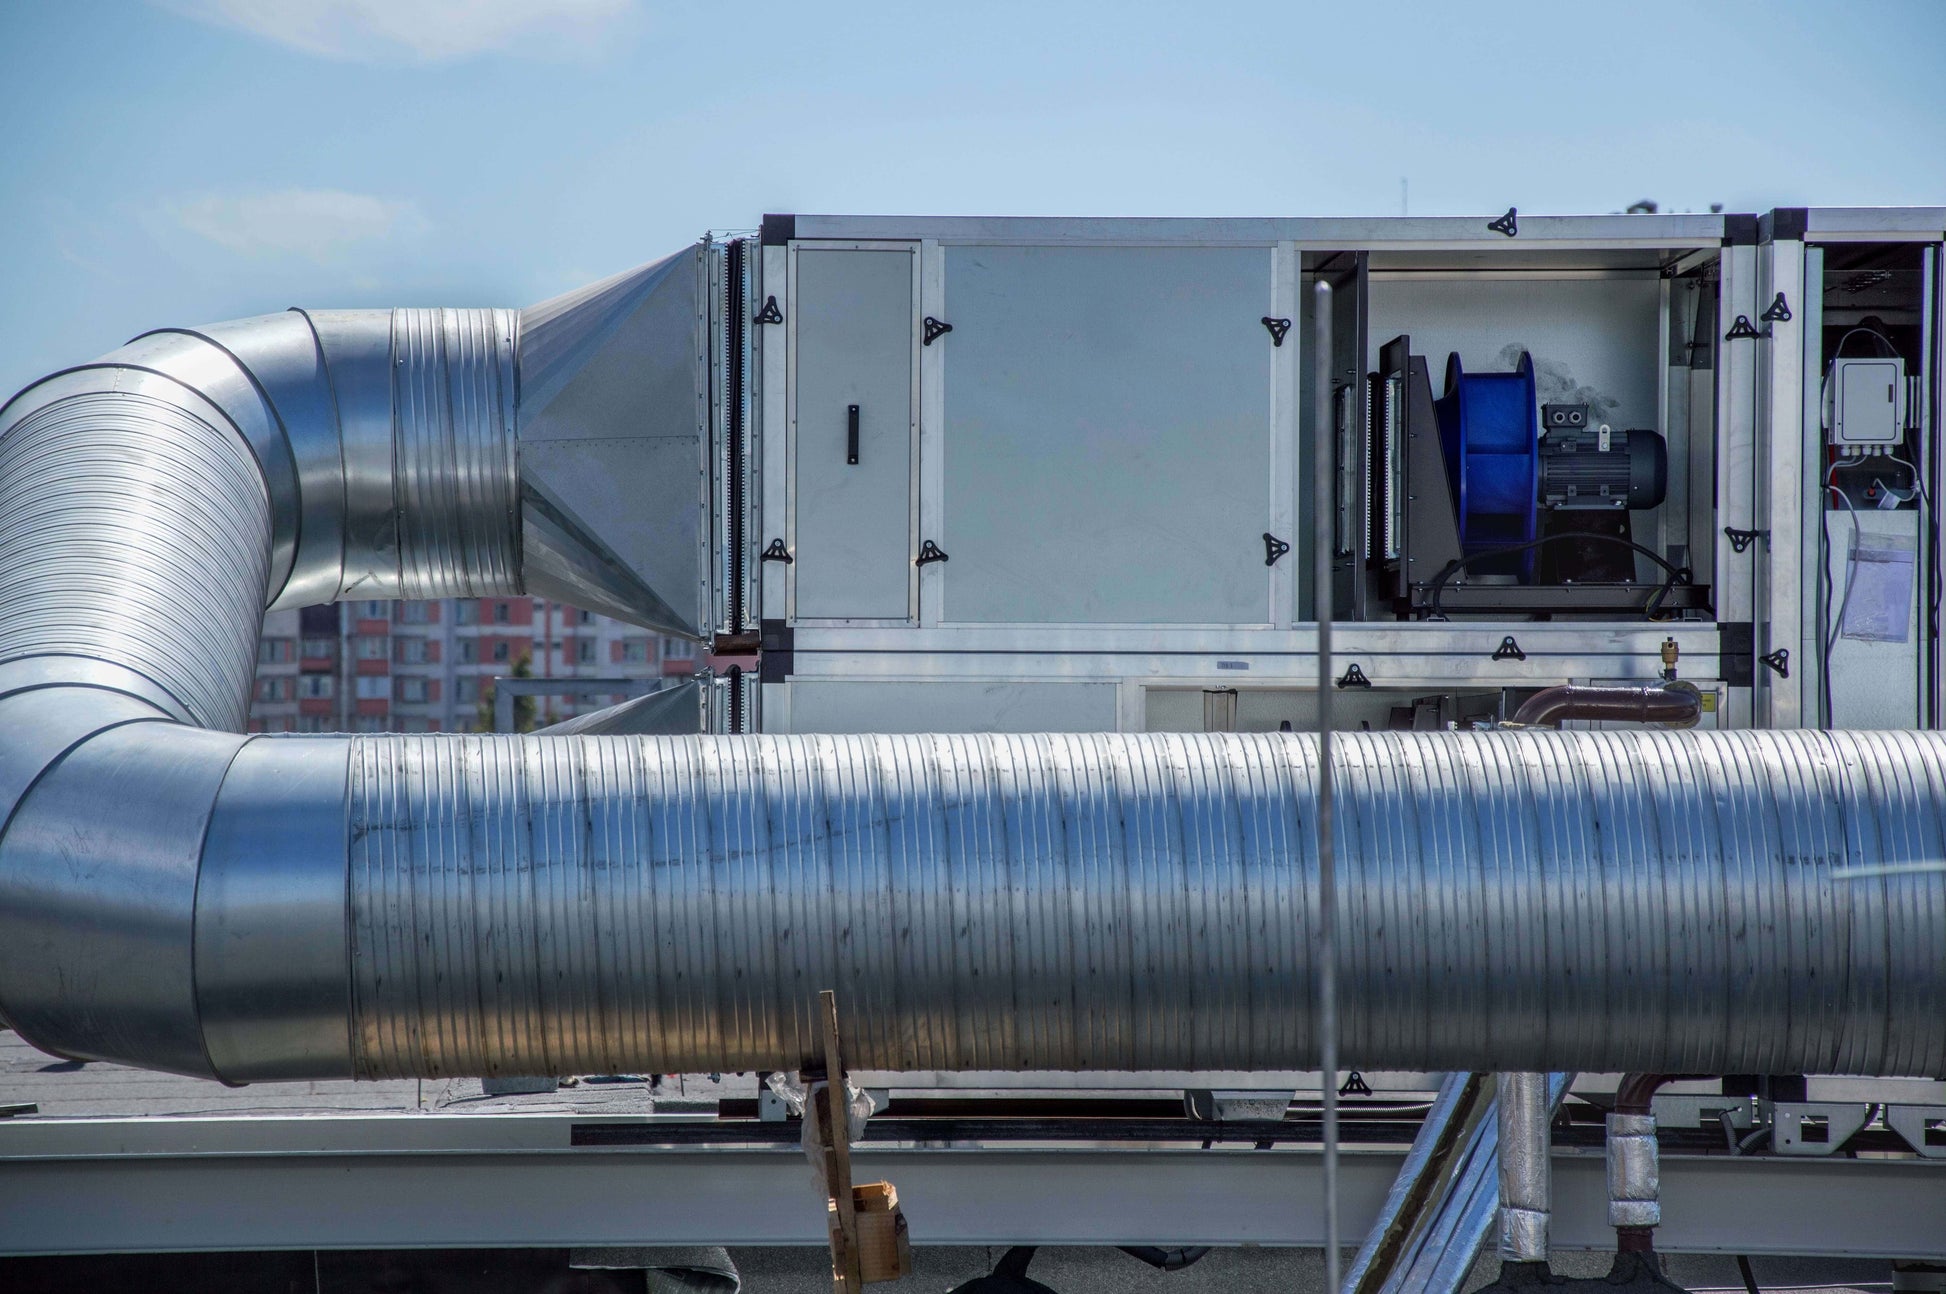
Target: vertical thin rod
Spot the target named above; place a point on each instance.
(847, 1276)
(1323, 478)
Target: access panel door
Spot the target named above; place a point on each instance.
(1108, 435)
(852, 432)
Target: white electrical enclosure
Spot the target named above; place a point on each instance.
(1865, 402)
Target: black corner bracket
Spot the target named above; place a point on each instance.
(1741, 328)
(1278, 327)
(1779, 311)
(929, 552)
(1509, 650)
(1779, 660)
(770, 313)
(935, 329)
(1274, 548)
(1354, 677)
(1508, 224)
(1355, 1085)
(777, 553)
(1741, 540)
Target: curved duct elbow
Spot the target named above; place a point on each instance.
(153, 504)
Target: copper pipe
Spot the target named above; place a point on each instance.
(1651, 703)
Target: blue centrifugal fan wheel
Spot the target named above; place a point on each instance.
(1489, 428)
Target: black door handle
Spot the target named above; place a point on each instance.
(851, 435)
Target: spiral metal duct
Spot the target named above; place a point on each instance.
(179, 897)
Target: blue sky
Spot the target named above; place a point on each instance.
(184, 161)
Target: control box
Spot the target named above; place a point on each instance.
(1864, 402)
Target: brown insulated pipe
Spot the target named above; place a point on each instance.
(1651, 703)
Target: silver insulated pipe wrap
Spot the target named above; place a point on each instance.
(1633, 1159)
(252, 908)
(1523, 1105)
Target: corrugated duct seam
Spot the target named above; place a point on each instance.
(179, 897)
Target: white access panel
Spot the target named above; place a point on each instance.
(852, 360)
(1107, 437)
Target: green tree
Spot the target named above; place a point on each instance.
(523, 705)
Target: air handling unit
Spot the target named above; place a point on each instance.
(999, 532)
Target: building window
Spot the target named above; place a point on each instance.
(412, 691)
(314, 686)
(466, 690)
(274, 651)
(636, 651)
(584, 617)
(369, 723)
(500, 650)
(374, 609)
(678, 649)
(373, 647)
(373, 687)
(584, 651)
(412, 613)
(274, 689)
(502, 613)
(467, 612)
(310, 723)
(413, 651)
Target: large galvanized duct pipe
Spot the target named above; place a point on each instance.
(179, 897)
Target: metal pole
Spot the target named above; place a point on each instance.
(1323, 477)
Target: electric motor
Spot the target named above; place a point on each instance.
(1589, 468)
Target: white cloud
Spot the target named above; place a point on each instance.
(426, 31)
(321, 224)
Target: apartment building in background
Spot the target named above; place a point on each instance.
(375, 666)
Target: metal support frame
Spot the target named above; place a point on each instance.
(1784, 474)
(412, 1181)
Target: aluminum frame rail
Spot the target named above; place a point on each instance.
(361, 1181)
(179, 897)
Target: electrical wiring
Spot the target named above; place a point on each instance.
(1873, 333)
(1918, 486)
(1828, 639)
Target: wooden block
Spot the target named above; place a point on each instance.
(875, 1197)
(884, 1251)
